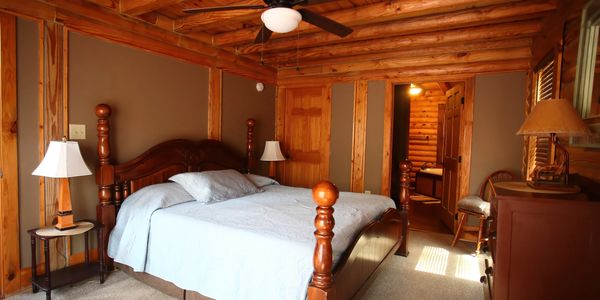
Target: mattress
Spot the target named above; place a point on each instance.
(254, 247)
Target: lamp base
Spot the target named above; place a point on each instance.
(64, 220)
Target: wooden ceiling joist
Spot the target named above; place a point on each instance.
(454, 72)
(405, 62)
(139, 7)
(211, 19)
(92, 19)
(465, 18)
(481, 33)
(445, 49)
(371, 13)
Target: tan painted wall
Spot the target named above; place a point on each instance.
(498, 112)
(240, 102)
(27, 107)
(340, 158)
(374, 142)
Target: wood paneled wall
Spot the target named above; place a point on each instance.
(423, 131)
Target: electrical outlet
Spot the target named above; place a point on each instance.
(76, 131)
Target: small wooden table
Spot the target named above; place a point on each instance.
(71, 274)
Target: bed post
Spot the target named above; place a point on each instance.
(325, 195)
(105, 178)
(405, 167)
(250, 144)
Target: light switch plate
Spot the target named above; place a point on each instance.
(76, 131)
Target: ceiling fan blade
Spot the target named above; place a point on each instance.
(324, 23)
(222, 8)
(263, 35)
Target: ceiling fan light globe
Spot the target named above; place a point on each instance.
(281, 19)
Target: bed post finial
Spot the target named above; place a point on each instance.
(405, 168)
(250, 144)
(105, 178)
(325, 194)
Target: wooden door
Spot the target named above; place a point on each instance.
(306, 138)
(451, 157)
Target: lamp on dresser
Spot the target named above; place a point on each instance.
(63, 160)
(552, 118)
(272, 154)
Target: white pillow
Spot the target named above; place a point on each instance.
(215, 186)
(261, 181)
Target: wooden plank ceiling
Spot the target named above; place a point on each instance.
(413, 37)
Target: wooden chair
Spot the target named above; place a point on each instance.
(479, 206)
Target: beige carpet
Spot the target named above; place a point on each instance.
(433, 270)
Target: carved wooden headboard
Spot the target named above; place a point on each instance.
(156, 165)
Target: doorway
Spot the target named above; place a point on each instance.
(427, 123)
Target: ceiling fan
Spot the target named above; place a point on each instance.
(281, 18)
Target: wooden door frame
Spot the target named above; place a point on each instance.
(466, 125)
(10, 263)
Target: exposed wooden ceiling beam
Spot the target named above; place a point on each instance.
(411, 52)
(444, 86)
(472, 17)
(446, 72)
(106, 3)
(139, 7)
(104, 23)
(211, 19)
(415, 61)
(489, 32)
(376, 12)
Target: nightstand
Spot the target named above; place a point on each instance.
(71, 274)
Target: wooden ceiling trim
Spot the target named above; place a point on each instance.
(436, 50)
(104, 23)
(140, 7)
(199, 21)
(405, 62)
(372, 13)
(488, 32)
(452, 72)
(471, 17)
(113, 4)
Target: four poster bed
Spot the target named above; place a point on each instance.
(383, 234)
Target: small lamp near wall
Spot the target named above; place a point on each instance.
(63, 160)
(272, 154)
(552, 118)
(414, 90)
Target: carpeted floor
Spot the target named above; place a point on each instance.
(433, 270)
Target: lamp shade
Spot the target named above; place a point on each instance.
(272, 152)
(554, 116)
(62, 160)
(281, 19)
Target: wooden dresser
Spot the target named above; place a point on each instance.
(544, 246)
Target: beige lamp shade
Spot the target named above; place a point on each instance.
(554, 116)
(272, 152)
(62, 160)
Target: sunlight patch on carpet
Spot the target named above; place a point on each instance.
(433, 260)
(467, 267)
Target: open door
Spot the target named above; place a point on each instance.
(451, 156)
(306, 135)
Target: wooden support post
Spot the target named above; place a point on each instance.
(325, 195)
(215, 103)
(405, 167)
(359, 138)
(105, 210)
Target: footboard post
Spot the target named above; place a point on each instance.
(105, 211)
(325, 195)
(405, 167)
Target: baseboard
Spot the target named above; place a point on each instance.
(74, 259)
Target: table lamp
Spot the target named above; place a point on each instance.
(552, 118)
(272, 154)
(63, 160)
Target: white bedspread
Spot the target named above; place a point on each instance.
(255, 247)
